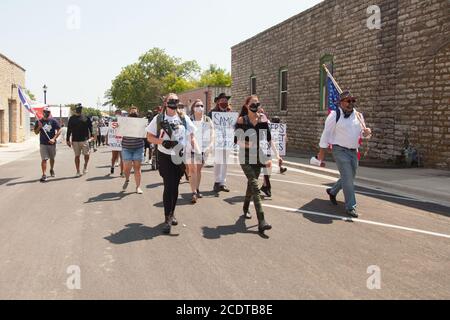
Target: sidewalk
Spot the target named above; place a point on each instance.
(14, 151)
(428, 184)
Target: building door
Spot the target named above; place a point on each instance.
(2, 126)
(12, 121)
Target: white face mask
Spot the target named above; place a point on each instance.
(199, 109)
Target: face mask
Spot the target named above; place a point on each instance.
(223, 105)
(254, 107)
(173, 104)
(79, 111)
(199, 109)
(133, 115)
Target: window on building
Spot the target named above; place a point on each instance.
(328, 61)
(284, 89)
(252, 85)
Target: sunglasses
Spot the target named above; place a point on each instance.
(199, 106)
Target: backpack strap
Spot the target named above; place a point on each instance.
(338, 114)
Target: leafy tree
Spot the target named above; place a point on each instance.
(215, 77)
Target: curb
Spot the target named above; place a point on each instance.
(440, 197)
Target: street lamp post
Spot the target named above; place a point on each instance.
(45, 93)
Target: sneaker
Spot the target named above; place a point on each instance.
(85, 171)
(224, 188)
(264, 226)
(52, 173)
(78, 175)
(199, 195)
(44, 178)
(216, 187)
(352, 213)
(194, 198)
(283, 170)
(266, 191)
(174, 221)
(167, 228)
(112, 170)
(125, 185)
(139, 191)
(332, 197)
(248, 215)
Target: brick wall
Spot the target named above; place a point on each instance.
(11, 73)
(400, 73)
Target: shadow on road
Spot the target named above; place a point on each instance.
(403, 200)
(155, 185)
(6, 180)
(110, 196)
(238, 227)
(50, 180)
(323, 206)
(137, 232)
(103, 178)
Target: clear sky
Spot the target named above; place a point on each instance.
(77, 56)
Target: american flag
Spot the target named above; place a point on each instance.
(333, 96)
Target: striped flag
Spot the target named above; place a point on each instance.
(25, 100)
(333, 96)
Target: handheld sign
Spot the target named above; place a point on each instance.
(132, 127)
(224, 125)
(114, 140)
(278, 132)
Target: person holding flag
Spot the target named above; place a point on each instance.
(49, 131)
(344, 129)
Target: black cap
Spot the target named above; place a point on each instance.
(222, 95)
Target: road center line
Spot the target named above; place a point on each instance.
(392, 226)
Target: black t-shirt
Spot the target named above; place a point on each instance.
(250, 133)
(49, 126)
(80, 128)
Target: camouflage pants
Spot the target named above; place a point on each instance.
(252, 172)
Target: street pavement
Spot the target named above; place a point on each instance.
(313, 252)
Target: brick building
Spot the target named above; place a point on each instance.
(206, 94)
(400, 73)
(14, 120)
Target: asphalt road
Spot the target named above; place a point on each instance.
(115, 240)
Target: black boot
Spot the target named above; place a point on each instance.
(264, 226)
(168, 225)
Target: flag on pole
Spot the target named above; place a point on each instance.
(333, 96)
(25, 100)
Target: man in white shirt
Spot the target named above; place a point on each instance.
(343, 130)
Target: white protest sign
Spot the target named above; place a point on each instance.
(132, 127)
(278, 132)
(114, 140)
(224, 125)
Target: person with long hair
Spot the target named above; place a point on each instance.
(171, 131)
(205, 138)
(249, 130)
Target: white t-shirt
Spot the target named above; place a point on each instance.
(203, 134)
(180, 133)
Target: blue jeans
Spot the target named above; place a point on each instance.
(347, 163)
(133, 154)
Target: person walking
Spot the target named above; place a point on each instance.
(116, 153)
(343, 130)
(205, 138)
(171, 131)
(249, 130)
(133, 156)
(49, 131)
(79, 133)
(221, 155)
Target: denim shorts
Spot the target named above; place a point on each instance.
(133, 154)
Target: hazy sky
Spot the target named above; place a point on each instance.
(77, 56)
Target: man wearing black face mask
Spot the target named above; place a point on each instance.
(80, 130)
(343, 130)
(49, 131)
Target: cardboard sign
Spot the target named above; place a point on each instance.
(132, 127)
(224, 126)
(278, 132)
(114, 140)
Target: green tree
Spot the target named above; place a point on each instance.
(215, 77)
(30, 94)
(156, 73)
(90, 112)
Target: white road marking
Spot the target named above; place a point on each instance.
(392, 226)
